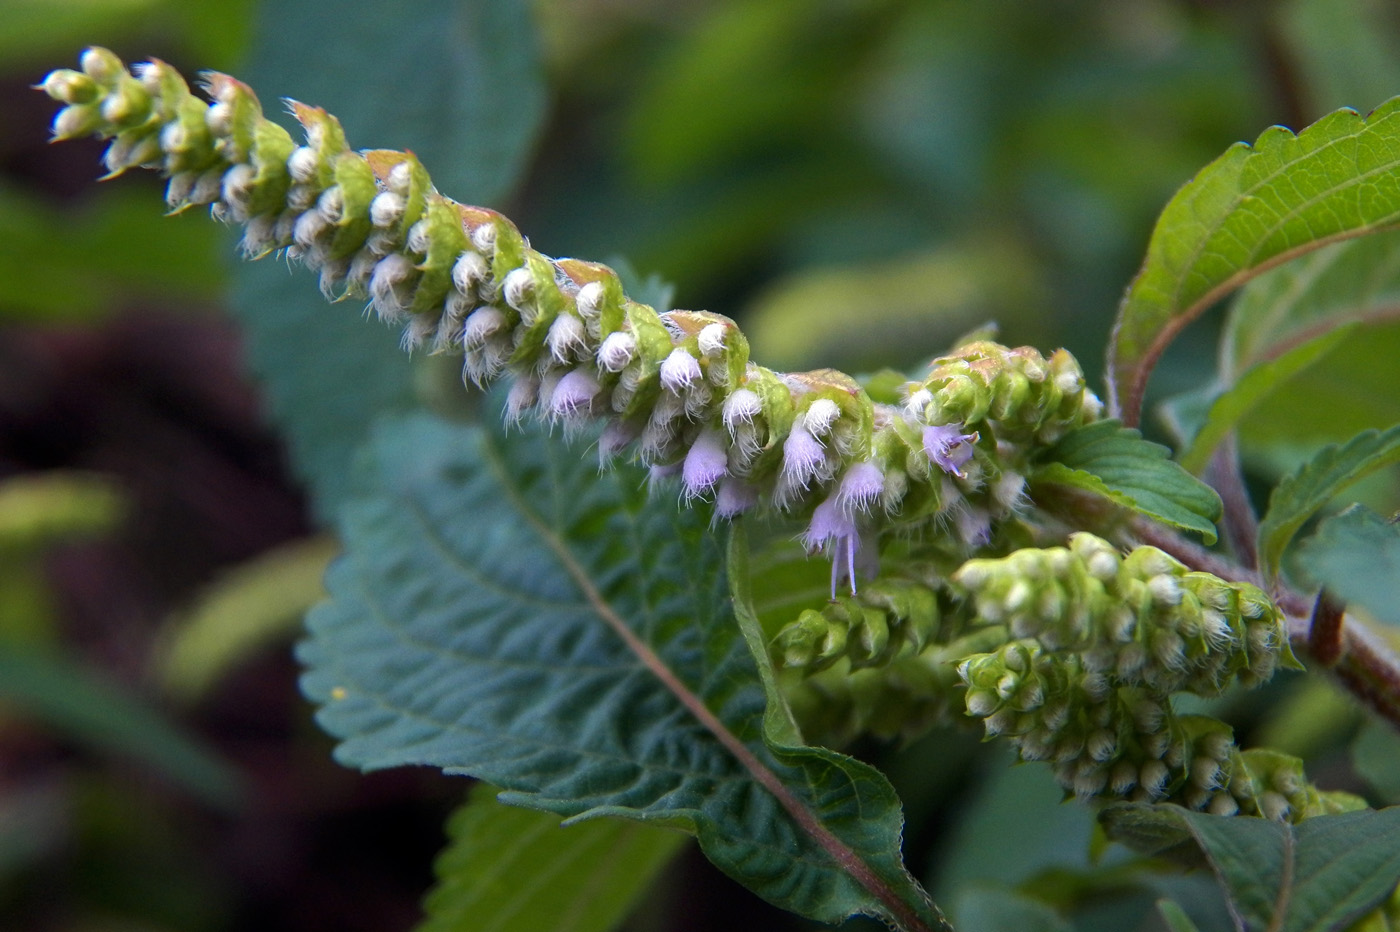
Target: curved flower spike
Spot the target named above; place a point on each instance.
(676, 389)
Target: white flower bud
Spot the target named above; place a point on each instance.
(616, 350)
(566, 336)
(390, 273)
(400, 180)
(679, 370)
(386, 209)
(917, 401)
(258, 236)
(524, 392)
(484, 239)
(1123, 778)
(519, 289)
(1273, 806)
(219, 118)
(484, 322)
(469, 270)
(1165, 589)
(420, 237)
(711, 339)
(1103, 565)
(1153, 778)
(302, 164)
(1089, 782)
(173, 137)
(590, 300)
(820, 417)
(981, 702)
(1223, 804)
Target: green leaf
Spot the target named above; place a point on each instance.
(510, 868)
(115, 248)
(1375, 754)
(1251, 209)
(503, 611)
(75, 702)
(1316, 876)
(1356, 555)
(460, 85)
(1105, 458)
(1000, 909)
(38, 509)
(1299, 496)
(254, 604)
(1257, 384)
(1175, 917)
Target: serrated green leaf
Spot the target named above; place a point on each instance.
(1108, 459)
(1258, 383)
(1317, 876)
(254, 604)
(504, 611)
(74, 701)
(1298, 497)
(508, 868)
(1251, 209)
(460, 85)
(1356, 555)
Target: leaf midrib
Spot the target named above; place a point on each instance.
(849, 861)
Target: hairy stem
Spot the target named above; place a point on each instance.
(1241, 523)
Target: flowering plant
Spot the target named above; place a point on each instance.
(1005, 550)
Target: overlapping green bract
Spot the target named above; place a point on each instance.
(1252, 208)
(469, 629)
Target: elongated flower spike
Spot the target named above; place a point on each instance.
(677, 389)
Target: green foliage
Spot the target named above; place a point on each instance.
(1301, 495)
(601, 672)
(1356, 555)
(1252, 208)
(78, 703)
(327, 375)
(509, 868)
(258, 602)
(1318, 876)
(1115, 462)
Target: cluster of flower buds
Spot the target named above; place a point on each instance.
(1143, 619)
(887, 619)
(1099, 643)
(676, 390)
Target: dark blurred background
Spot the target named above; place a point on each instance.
(856, 181)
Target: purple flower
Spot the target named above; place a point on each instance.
(803, 457)
(705, 463)
(948, 447)
(835, 531)
(860, 487)
(574, 393)
(735, 496)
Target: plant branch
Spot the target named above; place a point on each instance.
(1241, 523)
(1353, 653)
(1325, 634)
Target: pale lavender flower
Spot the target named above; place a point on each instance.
(834, 531)
(574, 393)
(860, 487)
(705, 463)
(949, 448)
(803, 457)
(735, 496)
